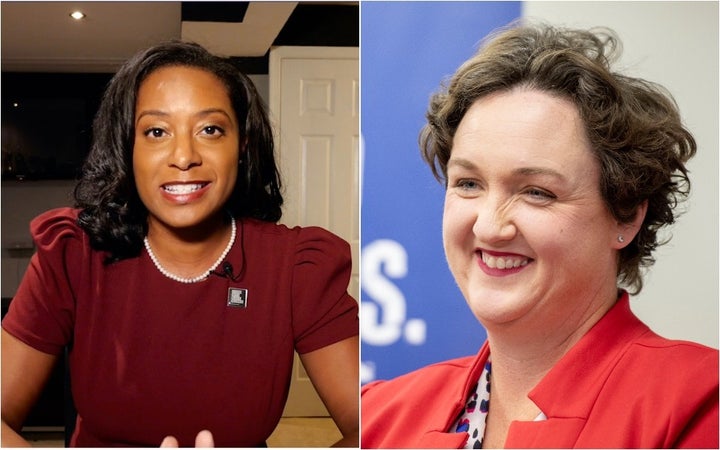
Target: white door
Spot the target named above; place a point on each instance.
(314, 104)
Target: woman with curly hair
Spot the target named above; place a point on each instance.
(559, 173)
(180, 299)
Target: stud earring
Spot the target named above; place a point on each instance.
(621, 238)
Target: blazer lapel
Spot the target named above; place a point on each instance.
(566, 395)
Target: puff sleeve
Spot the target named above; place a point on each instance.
(323, 311)
(42, 313)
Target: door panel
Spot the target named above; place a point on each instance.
(314, 101)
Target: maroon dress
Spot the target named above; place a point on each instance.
(152, 357)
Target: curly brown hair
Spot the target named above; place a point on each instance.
(633, 125)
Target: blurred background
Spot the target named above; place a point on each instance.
(412, 312)
(303, 58)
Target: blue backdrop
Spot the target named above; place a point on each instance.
(412, 312)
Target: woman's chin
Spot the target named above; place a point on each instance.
(497, 309)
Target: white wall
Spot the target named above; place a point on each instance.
(676, 45)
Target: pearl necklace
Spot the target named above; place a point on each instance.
(202, 276)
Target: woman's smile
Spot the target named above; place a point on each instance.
(183, 193)
(501, 264)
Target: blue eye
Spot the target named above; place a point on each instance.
(467, 184)
(540, 194)
(466, 187)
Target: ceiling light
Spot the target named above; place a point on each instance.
(77, 15)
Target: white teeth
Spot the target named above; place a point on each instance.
(182, 188)
(496, 262)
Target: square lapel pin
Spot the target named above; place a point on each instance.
(237, 297)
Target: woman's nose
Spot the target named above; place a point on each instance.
(493, 221)
(184, 154)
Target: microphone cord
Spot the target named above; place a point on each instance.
(227, 266)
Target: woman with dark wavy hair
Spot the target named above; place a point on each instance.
(180, 299)
(558, 173)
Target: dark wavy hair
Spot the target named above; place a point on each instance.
(633, 125)
(111, 211)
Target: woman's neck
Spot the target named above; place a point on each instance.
(532, 345)
(188, 252)
(523, 353)
(529, 359)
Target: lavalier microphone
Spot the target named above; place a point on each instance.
(227, 272)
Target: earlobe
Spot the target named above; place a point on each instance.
(628, 231)
(243, 148)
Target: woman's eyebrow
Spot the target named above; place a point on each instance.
(209, 111)
(199, 114)
(462, 162)
(151, 112)
(520, 171)
(544, 171)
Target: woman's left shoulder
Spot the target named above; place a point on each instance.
(662, 349)
(319, 236)
(676, 359)
(676, 380)
(318, 246)
(308, 240)
(303, 235)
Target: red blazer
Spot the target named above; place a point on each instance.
(620, 386)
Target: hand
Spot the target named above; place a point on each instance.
(203, 439)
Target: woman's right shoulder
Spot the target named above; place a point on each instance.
(424, 378)
(56, 227)
(425, 399)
